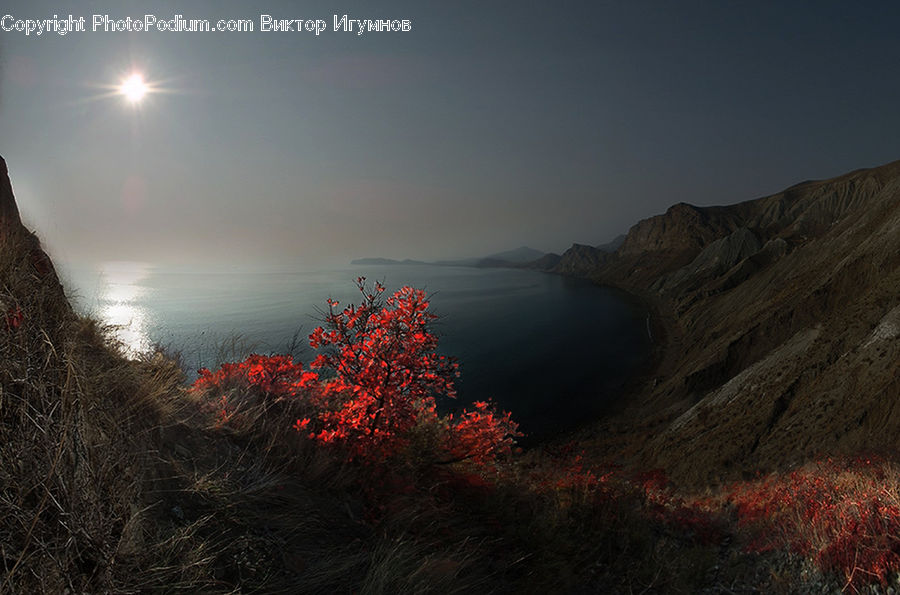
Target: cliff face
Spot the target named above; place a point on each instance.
(581, 260)
(30, 272)
(9, 212)
(683, 228)
(783, 325)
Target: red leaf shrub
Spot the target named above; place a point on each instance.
(275, 376)
(259, 379)
(373, 385)
(482, 434)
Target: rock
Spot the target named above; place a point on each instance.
(9, 212)
(714, 260)
(26, 259)
(683, 228)
(581, 260)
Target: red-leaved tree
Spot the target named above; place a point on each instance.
(374, 384)
(387, 376)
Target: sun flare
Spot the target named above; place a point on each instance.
(133, 88)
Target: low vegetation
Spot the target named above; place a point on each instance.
(842, 514)
(345, 476)
(372, 389)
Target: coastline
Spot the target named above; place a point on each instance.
(613, 431)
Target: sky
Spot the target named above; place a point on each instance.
(486, 126)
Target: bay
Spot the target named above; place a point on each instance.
(554, 351)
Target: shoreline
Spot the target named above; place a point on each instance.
(664, 333)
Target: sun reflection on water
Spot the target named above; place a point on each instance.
(119, 303)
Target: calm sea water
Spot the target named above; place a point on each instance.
(554, 351)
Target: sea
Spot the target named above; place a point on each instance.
(552, 350)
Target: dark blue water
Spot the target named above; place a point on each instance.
(554, 351)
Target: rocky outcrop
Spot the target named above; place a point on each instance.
(9, 211)
(23, 260)
(783, 318)
(581, 260)
(717, 258)
(682, 229)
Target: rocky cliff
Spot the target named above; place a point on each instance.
(9, 211)
(581, 260)
(22, 257)
(782, 316)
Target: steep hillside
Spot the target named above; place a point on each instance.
(782, 325)
(27, 245)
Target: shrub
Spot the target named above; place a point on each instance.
(372, 388)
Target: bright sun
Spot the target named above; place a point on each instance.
(133, 88)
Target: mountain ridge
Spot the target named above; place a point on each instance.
(778, 317)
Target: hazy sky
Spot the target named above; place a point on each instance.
(487, 126)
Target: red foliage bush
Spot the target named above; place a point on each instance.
(481, 435)
(842, 514)
(649, 495)
(275, 376)
(845, 515)
(259, 378)
(373, 384)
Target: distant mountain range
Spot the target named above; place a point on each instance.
(519, 255)
(523, 257)
(385, 261)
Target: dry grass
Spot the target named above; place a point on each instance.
(77, 424)
(113, 478)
